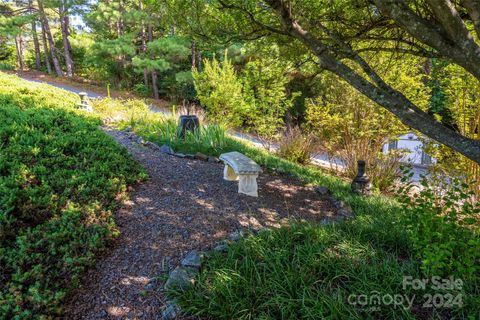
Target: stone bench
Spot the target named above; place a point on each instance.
(245, 170)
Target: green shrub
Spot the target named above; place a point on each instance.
(255, 98)
(60, 176)
(220, 92)
(6, 66)
(264, 82)
(142, 90)
(443, 224)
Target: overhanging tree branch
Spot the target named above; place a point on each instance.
(464, 53)
(473, 8)
(391, 99)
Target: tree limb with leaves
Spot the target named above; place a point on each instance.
(335, 34)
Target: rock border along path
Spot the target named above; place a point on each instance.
(185, 205)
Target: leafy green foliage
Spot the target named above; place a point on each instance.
(355, 129)
(443, 223)
(455, 102)
(162, 54)
(60, 176)
(254, 98)
(264, 81)
(220, 92)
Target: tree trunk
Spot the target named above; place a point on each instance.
(48, 33)
(194, 55)
(120, 31)
(46, 51)
(154, 73)
(143, 36)
(199, 60)
(19, 48)
(36, 44)
(64, 25)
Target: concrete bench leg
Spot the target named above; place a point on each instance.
(248, 184)
(229, 174)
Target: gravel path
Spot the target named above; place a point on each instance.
(184, 205)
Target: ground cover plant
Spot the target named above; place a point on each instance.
(61, 176)
(311, 271)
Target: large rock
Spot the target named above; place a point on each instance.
(181, 278)
(171, 312)
(213, 159)
(236, 236)
(323, 191)
(193, 259)
(179, 155)
(201, 156)
(346, 211)
(151, 145)
(222, 247)
(166, 149)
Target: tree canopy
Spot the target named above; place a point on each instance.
(339, 35)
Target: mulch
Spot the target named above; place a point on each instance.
(184, 205)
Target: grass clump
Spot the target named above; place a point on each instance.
(60, 178)
(300, 272)
(296, 146)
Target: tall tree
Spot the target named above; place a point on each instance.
(143, 36)
(46, 51)
(14, 19)
(48, 34)
(337, 34)
(19, 49)
(154, 72)
(64, 26)
(36, 44)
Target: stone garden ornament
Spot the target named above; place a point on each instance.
(361, 183)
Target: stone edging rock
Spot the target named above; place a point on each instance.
(183, 276)
(344, 211)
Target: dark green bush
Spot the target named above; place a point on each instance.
(59, 178)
